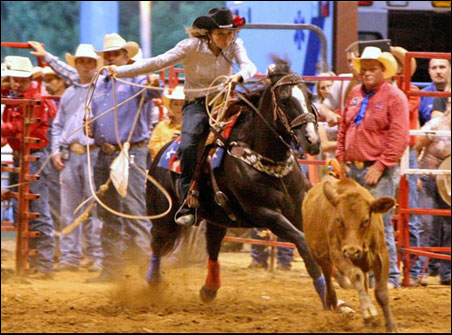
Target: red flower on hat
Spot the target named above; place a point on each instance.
(238, 21)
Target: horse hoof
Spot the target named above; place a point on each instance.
(154, 280)
(207, 295)
(344, 308)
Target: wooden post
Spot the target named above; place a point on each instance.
(345, 32)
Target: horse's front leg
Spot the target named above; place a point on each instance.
(163, 237)
(281, 226)
(214, 236)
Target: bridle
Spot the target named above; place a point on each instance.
(302, 119)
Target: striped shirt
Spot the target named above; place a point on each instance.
(382, 135)
(70, 117)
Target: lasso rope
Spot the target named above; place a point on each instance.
(148, 177)
(213, 121)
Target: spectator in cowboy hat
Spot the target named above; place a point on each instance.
(20, 72)
(54, 84)
(79, 71)
(167, 130)
(374, 134)
(121, 234)
(208, 53)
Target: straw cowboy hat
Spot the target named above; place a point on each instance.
(443, 181)
(37, 72)
(114, 42)
(219, 18)
(48, 71)
(399, 53)
(83, 50)
(18, 66)
(385, 58)
(177, 94)
(138, 56)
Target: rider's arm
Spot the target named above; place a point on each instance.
(247, 68)
(176, 55)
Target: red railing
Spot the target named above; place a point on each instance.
(403, 240)
(23, 234)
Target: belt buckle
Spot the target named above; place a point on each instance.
(77, 148)
(108, 148)
(359, 165)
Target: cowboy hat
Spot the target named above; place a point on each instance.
(219, 18)
(37, 72)
(385, 58)
(83, 50)
(399, 53)
(18, 66)
(114, 42)
(48, 71)
(443, 181)
(138, 56)
(176, 94)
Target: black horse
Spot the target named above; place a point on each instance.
(260, 177)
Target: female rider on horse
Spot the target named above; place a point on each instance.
(207, 54)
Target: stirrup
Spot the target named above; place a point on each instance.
(188, 219)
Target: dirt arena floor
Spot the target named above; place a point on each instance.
(248, 301)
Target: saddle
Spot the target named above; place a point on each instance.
(210, 158)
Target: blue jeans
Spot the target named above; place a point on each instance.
(386, 186)
(435, 230)
(54, 187)
(45, 243)
(75, 189)
(260, 253)
(120, 235)
(195, 125)
(414, 225)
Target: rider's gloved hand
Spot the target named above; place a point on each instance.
(235, 79)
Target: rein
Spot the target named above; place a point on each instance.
(291, 79)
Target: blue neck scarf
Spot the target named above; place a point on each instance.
(362, 110)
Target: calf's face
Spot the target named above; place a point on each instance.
(353, 217)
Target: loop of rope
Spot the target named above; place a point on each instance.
(88, 120)
(148, 177)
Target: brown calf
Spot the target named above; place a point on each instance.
(343, 227)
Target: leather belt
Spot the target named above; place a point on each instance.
(109, 149)
(80, 149)
(361, 165)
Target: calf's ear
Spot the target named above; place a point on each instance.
(382, 205)
(330, 193)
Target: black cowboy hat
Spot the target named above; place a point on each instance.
(219, 18)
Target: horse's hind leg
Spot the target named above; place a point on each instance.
(214, 236)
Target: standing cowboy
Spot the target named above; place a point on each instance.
(120, 236)
(70, 157)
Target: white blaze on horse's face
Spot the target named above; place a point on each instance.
(310, 128)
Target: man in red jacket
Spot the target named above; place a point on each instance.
(374, 134)
(19, 70)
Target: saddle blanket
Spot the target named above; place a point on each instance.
(170, 160)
